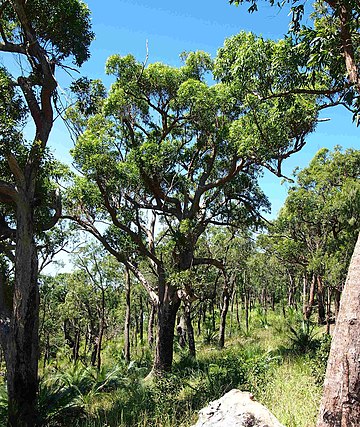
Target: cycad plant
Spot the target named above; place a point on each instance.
(303, 337)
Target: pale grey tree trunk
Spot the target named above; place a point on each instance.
(340, 405)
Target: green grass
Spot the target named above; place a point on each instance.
(265, 361)
(293, 395)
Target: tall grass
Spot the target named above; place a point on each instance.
(292, 394)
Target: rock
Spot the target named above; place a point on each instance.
(236, 409)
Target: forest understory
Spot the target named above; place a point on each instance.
(282, 361)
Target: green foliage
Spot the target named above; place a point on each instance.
(302, 337)
(209, 335)
(63, 27)
(318, 361)
(258, 66)
(319, 223)
(12, 110)
(167, 139)
(120, 395)
(3, 405)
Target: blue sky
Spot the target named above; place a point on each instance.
(170, 28)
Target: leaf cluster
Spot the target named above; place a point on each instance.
(63, 27)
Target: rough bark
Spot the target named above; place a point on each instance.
(23, 346)
(343, 11)
(340, 405)
(167, 309)
(320, 301)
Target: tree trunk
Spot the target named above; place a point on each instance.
(46, 351)
(337, 296)
(328, 310)
(76, 347)
(190, 329)
(99, 345)
(5, 314)
(247, 298)
(199, 320)
(181, 331)
(223, 314)
(141, 320)
(168, 306)
(127, 318)
(23, 347)
(213, 315)
(308, 305)
(151, 325)
(232, 312)
(237, 309)
(320, 301)
(93, 340)
(291, 291)
(340, 406)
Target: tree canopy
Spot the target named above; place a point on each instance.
(170, 149)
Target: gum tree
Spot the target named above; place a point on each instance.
(33, 30)
(318, 225)
(166, 154)
(329, 46)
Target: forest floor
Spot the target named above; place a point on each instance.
(281, 361)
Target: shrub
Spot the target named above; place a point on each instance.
(318, 361)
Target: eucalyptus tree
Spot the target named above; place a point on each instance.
(33, 30)
(233, 248)
(328, 42)
(317, 228)
(100, 278)
(89, 301)
(166, 154)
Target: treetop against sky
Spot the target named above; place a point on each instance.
(162, 30)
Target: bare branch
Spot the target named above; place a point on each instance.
(12, 48)
(209, 261)
(149, 289)
(8, 192)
